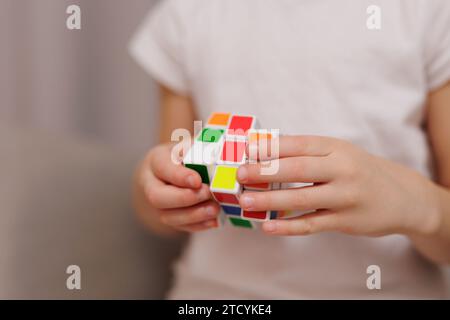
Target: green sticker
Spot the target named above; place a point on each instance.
(201, 169)
(210, 135)
(241, 223)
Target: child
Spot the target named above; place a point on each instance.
(366, 112)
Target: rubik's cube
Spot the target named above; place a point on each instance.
(216, 154)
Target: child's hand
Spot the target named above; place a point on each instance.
(354, 192)
(176, 193)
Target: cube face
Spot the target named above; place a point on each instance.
(218, 150)
(231, 210)
(202, 171)
(210, 135)
(237, 222)
(226, 198)
(233, 152)
(225, 178)
(219, 119)
(239, 125)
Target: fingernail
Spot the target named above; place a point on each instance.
(202, 194)
(211, 224)
(242, 174)
(205, 194)
(191, 181)
(247, 201)
(210, 212)
(270, 226)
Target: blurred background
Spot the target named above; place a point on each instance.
(79, 82)
(76, 114)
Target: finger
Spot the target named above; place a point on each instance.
(294, 146)
(168, 171)
(166, 196)
(303, 199)
(293, 169)
(199, 213)
(320, 221)
(202, 226)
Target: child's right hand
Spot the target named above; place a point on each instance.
(170, 195)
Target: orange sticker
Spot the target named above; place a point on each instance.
(256, 136)
(219, 119)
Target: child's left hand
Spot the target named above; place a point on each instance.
(354, 192)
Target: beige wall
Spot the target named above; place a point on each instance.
(79, 82)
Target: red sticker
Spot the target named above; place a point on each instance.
(226, 198)
(240, 125)
(233, 151)
(260, 215)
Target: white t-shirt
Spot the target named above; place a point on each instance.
(306, 67)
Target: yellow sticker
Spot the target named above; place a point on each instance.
(225, 178)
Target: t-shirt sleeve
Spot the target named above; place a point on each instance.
(437, 43)
(158, 46)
